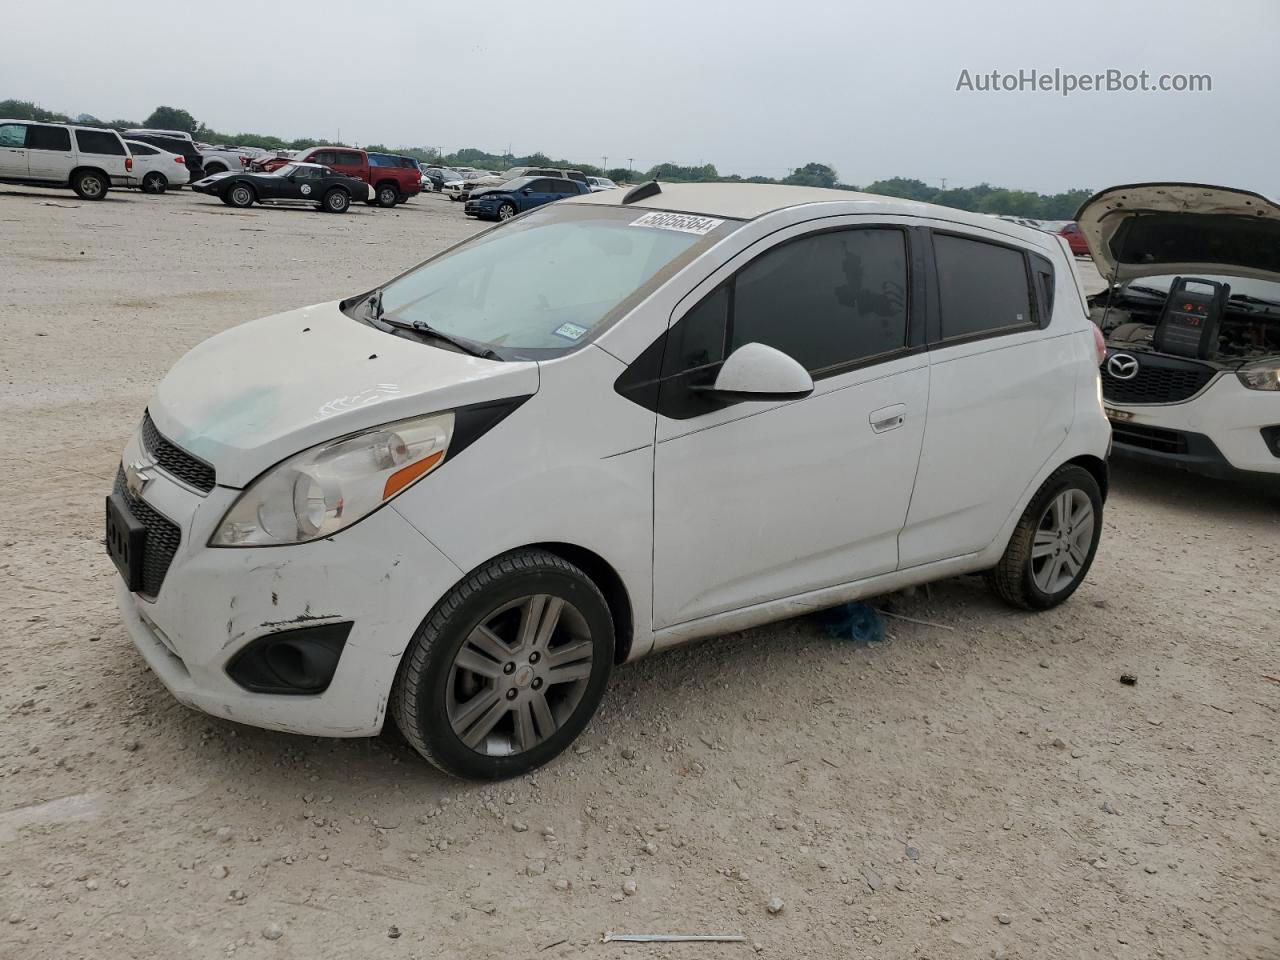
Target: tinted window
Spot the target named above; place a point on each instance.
(577, 175)
(308, 173)
(826, 300)
(981, 286)
(48, 138)
(698, 338)
(13, 135)
(325, 157)
(345, 159)
(564, 187)
(142, 150)
(376, 160)
(99, 142)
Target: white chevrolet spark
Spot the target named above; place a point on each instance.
(604, 428)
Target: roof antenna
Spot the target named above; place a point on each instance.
(642, 192)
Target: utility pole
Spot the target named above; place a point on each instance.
(630, 161)
(604, 163)
(944, 182)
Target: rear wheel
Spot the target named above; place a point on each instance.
(90, 184)
(506, 211)
(336, 201)
(1053, 545)
(507, 669)
(386, 194)
(155, 182)
(211, 168)
(240, 195)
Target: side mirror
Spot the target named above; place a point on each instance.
(758, 372)
(527, 191)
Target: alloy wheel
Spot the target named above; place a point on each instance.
(1062, 540)
(519, 675)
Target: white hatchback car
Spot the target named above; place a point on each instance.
(1192, 319)
(604, 428)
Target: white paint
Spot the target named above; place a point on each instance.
(902, 471)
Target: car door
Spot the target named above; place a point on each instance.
(998, 376)
(49, 154)
(13, 150)
(759, 500)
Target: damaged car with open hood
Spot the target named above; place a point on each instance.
(606, 427)
(1191, 316)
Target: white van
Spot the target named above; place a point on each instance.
(604, 428)
(89, 160)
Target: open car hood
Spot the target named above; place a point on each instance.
(1155, 229)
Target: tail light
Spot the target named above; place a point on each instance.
(1099, 343)
(128, 164)
(181, 160)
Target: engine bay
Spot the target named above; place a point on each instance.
(1130, 315)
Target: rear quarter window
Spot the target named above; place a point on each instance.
(99, 142)
(983, 287)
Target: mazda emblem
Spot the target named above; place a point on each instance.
(1122, 366)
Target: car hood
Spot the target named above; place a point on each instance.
(214, 177)
(257, 393)
(1155, 229)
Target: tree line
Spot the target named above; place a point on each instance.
(983, 198)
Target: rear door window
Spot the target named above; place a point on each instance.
(48, 138)
(142, 150)
(826, 300)
(99, 142)
(983, 287)
(13, 135)
(347, 159)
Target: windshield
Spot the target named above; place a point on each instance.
(1240, 286)
(287, 169)
(543, 284)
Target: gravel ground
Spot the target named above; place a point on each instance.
(982, 788)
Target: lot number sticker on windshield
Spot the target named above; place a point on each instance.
(570, 331)
(683, 222)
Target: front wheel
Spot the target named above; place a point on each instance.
(508, 668)
(1053, 545)
(240, 196)
(336, 201)
(506, 211)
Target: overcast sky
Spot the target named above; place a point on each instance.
(752, 86)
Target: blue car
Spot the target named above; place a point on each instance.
(521, 194)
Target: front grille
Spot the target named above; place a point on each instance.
(1149, 438)
(1158, 380)
(163, 538)
(172, 459)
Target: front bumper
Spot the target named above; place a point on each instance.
(480, 208)
(381, 575)
(1217, 433)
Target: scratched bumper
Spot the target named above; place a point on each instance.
(381, 575)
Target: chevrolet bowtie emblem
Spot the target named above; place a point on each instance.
(136, 477)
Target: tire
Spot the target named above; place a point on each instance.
(1053, 526)
(506, 210)
(240, 195)
(155, 182)
(336, 201)
(435, 686)
(90, 184)
(386, 194)
(211, 168)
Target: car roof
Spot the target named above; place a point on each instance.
(299, 163)
(747, 201)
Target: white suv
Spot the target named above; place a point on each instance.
(602, 429)
(1192, 320)
(89, 160)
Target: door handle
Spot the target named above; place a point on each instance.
(887, 418)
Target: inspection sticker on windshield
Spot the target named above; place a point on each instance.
(683, 222)
(570, 331)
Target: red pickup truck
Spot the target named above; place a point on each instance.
(392, 182)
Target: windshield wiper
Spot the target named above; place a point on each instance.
(424, 328)
(1258, 301)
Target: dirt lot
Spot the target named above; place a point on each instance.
(988, 789)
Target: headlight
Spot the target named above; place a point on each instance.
(1265, 377)
(322, 490)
